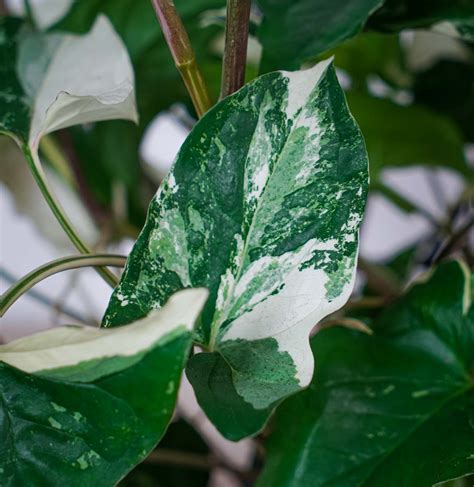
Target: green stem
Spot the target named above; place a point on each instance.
(50, 148)
(235, 52)
(40, 178)
(51, 268)
(183, 53)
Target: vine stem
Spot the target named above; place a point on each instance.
(235, 52)
(53, 267)
(40, 178)
(183, 54)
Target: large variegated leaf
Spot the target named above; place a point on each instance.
(262, 207)
(54, 81)
(395, 408)
(88, 404)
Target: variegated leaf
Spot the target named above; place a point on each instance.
(53, 81)
(82, 406)
(262, 207)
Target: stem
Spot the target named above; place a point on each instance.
(183, 54)
(457, 236)
(235, 52)
(51, 268)
(40, 178)
(29, 12)
(55, 156)
(45, 300)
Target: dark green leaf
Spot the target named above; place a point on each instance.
(180, 440)
(450, 16)
(293, 32)
(395, 408)
(262, 207)
(399, 135)
(458, 101)
(14, 104)
(211, 377)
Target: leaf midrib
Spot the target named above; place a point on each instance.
(244, 252)
(469, 386)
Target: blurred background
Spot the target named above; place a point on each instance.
(411, 93)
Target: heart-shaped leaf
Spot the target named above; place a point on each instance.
(262, 207)
(89, 404)
(395, 408)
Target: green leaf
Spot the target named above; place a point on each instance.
(181, 440)
(395, 408)
(293, 32)
(369, 54)
(457, 102)
(398, 135)
(211, 377)
(98, 401)
(262, 207)
(453, 17)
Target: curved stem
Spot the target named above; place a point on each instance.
(235, 53)
(183, 53)
(40, 178)
(51, 268)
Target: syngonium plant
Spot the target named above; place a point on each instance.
(250, 243)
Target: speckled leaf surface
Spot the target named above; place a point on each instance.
(52, 81)
(262, 207)
(395, 408)
(91, 425)
(293, 32)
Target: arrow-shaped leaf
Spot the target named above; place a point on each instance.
(262, 207)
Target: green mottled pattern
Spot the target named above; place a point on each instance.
(262, 207)
(212, 380)
(56, 432)
(395, 408)
(14, 103)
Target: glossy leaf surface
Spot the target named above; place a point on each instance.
(395, 408)
(293, 32)
(262, 207)
(90, 423)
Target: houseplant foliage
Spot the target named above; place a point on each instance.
(248, 252)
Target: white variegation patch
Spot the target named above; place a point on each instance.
(77, 79)
(70, 346)
(301, 84)
(296, 175)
